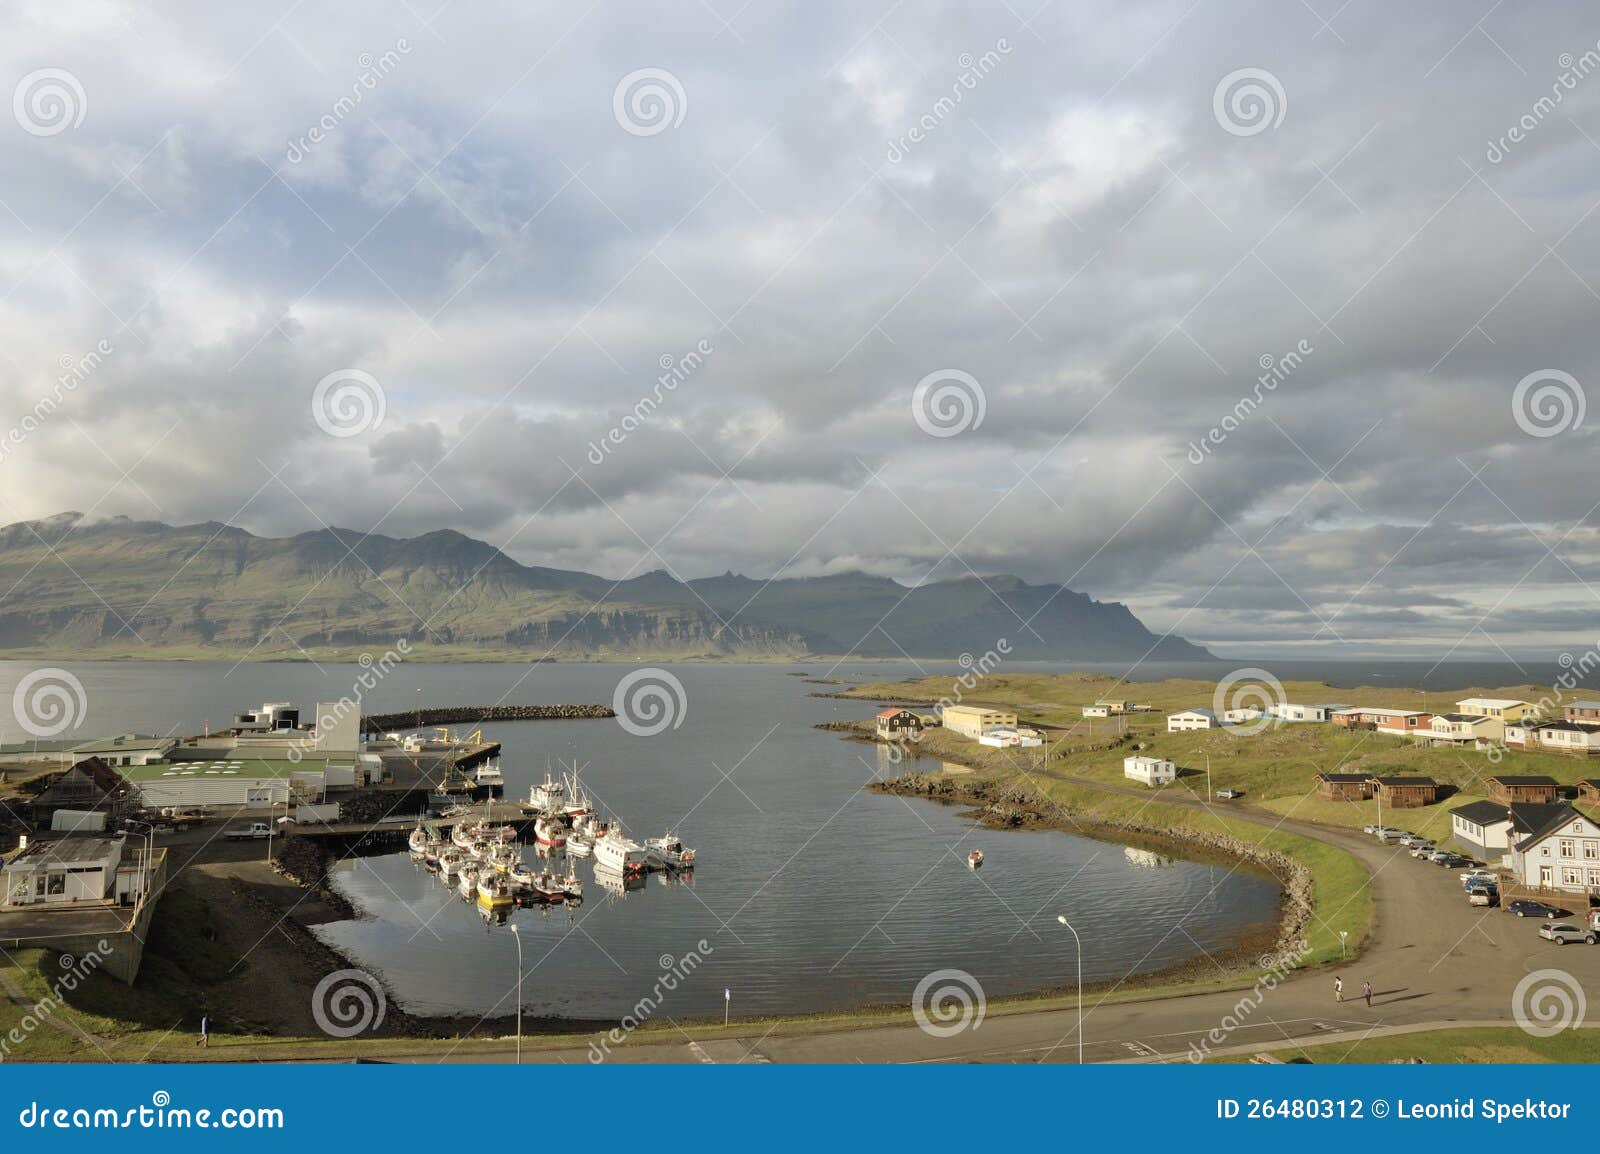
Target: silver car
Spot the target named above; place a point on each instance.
(1563, 932)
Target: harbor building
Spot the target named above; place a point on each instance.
(972, 720)
(70, 870)
(1149, 770)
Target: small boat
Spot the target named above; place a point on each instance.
(418, 842)
(578, 804)
(520, 874)
(549, 888)
(617, 852)
(489, 774)
(468, 883)
(450, 863)
(503, 858)
(550, 831)
(669, 852)
(494, 891)
(579, 844)
(975, 859)
(573, 885)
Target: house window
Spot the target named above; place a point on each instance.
(1591, 849)
(57, 885)
(1568, 847)
(1571, 877)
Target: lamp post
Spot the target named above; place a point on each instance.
(1079, 943)
(518, 937)
(149, 850)
(1343, 934)
(1207, 756)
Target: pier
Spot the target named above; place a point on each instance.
(479, 714)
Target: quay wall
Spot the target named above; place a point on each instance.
(476, 714)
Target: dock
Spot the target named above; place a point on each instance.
(398, 827)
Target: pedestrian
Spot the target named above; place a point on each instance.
(1338, 989)
(1366, 992)
(205, 1033)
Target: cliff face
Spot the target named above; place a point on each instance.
(143, 587)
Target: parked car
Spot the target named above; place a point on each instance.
(1424, 849)
(1371, 828)
(1449, 861)
(1527, 908)
(1412, 840)
(1229, 794)
(1387, 833)
(1563, 932)
(1478, 875)
(1439, 855)
(1483, 896)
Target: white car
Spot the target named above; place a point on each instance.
(1471, 876)
(1423, 850)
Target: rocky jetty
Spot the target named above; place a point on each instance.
(478, 714)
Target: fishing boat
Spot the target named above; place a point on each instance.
(579, 844)
(668, 852)
(418, 842)
(503, 857)
(468, 883)
(494, 891)
(550, 794)
(573, 885)
(450, 863)
(549, 830)
(578, 804)
(520, 875)
(548, 887)
(975, 859)
(618, 852)
(489, 774)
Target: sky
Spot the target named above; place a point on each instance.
(1270, 320)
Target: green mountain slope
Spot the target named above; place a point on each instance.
(127, 587)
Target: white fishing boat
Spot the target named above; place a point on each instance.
(578, 803)
(489, 774)
(573, 884)
(975, 858)
(502, 857)
(450, 863)
(579, 844)
(617, 851)
(519, 873)
(668, 852)
(418, 842)
(549, 795)
(468, 883)
(462, 837)
(549, 830)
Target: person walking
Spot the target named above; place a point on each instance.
(205, 1034)
(1338, 989)
(1366, 992)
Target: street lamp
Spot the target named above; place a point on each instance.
(1062, 919)
(149, 850)
(518, 937)
(1342, 935)
(1207, 756)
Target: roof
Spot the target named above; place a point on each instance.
(1558, 816)
(1534, 779)
(1403, 781)
(1380, 712)
(123, 744)
(975, 709)
(1564, 726)
(1461, 717)
(248, 769)
(56, 746)
(1193, 713)
(1482, 812)
(1496, 702)
(65, 850)
(894, 711)
(1145, 759)
(1583, 705)
(1343, 778)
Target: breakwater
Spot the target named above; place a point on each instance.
(478, 714)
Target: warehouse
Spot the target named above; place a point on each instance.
(250, 783)
(972, 720)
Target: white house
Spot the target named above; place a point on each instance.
(1149, 770)
(1488, 828)
(1462, 729)
(73, 869)
(1241, 716)
(1192, 719)
(1563, 855)
(1555, 736)
(1285, 711)
(1097, 711)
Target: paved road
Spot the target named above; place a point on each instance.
(1431, 959)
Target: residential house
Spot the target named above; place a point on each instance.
(1583, 711)
(898, 724)
(1097, 711)
(1473, 729)
(1149, 770)
(1344, 786)
(1403, 722)
(1498, 712)
(1192, 719)
(972, 720)
(1243, 715)
(1286, 711)
(1488, 828)
(1562, 855)
(89, 786)
(1506, 788)
(1589, 790)
(1578, 737)
(1405, 792)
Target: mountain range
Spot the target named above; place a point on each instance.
(141, 588)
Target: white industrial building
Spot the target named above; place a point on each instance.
(1187, 719)
(72, 869)
(1149, 770)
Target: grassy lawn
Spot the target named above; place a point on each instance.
(1474, 1046)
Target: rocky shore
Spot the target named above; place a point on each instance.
(477, 714)
(1011, 805)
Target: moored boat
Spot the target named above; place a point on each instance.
(468, 883)
(494, 891)
(550, 794)
(549, 830)
(669, 852)
(618, 852)
(975, 858)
